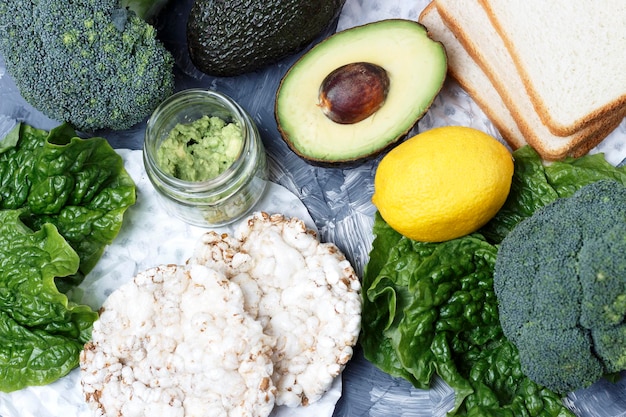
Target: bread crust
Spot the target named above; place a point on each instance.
(520, 106)
(594, 120)
(472, 79)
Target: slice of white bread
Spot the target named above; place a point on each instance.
(570, 54)
(463, 69)
(471, 26)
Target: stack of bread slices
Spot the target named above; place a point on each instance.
(548, 74)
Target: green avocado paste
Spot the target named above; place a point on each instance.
(200, 150)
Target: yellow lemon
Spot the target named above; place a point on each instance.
(443, 183)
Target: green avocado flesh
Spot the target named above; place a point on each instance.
(415, 64)
(233, 37)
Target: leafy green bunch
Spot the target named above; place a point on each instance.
(432, 308)
(62, 200)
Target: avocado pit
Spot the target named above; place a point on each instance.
(353, 92)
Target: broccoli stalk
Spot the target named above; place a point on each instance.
(560, 280)
(91, 63)
(145, 9)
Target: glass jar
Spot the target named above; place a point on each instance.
(220, 200)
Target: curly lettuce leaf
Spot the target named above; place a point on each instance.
(41, 331)
(571, 174)
(381, 303)
(500, 389)
(78, 185)
(62, 201)
(430, 308)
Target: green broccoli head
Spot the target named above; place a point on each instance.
(90, 63)
(560, 281)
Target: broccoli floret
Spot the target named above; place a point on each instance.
(560, 281)
(91, 63)
(553, 264)
(609, 345)
(567, 350)
(604, 287)
(602, 278)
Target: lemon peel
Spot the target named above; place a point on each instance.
(443, 183)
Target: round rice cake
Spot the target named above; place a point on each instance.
(176, 341)
(304, 293)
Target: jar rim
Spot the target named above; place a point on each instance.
(191, 95)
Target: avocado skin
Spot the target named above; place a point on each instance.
(234, 37)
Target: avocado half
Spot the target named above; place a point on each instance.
(233, 37)
(415, 65)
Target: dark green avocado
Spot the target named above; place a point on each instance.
(233, 37)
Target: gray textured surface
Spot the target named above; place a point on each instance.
(338, 200)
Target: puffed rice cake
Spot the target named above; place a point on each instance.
(176, 341)
(304, 292)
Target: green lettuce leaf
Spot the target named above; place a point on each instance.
(41, 331)
(380, 304)
(78, 185)
(570, 175)
(430, 309)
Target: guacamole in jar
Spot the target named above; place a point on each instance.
(200, 150)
